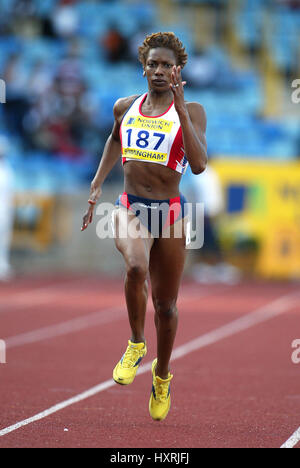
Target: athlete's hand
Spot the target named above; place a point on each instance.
(176, 87)
(95, 194)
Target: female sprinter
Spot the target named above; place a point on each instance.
(157, 134)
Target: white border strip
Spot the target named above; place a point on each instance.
(38, 296)
(103, 316)
(267, 312)
(293, 440)
(70, 326)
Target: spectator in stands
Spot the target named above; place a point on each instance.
(6, 211)
(293, 4)
(202, 71)
(17, 104)
(60, 116)
(65, 19)
(115, 45)
(134, 41)
(39, 79)
(50, 119)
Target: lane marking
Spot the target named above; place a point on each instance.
(80, 323)
(293, 440)
(37, 296)
(260, 315)
(70, 326)
(52, 292)
(82, 396)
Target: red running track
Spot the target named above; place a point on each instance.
(234, 385)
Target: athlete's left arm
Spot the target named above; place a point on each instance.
(193, 124)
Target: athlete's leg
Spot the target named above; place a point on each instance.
(167, 260)
(136, 254)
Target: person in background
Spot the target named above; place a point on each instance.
(115, 45)
(211, 266)
(6, 211)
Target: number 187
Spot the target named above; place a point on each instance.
(143, 138)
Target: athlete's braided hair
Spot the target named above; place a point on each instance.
(163, 39)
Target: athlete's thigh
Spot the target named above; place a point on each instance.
(131, 238)
(167, 259)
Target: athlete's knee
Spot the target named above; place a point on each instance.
(137, 270)
(165, 309)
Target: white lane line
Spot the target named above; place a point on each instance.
(82, 396)
(77, 324)
(293, 440)
(267, 312)
(27, 299)
(63, 328)
(37, 296)
(55, 291)
(262, 314)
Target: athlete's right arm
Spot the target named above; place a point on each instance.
(110, 156)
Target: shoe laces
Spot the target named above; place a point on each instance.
(130, 357)
(162, 388)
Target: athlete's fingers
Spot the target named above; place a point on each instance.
(176, 79)
(172, 78)
(91, 217)
(177, 74)
(87, 218)
(177, 86)
(173, 88)
(174, 75)
(84, 223)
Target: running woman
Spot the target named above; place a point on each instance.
(157, 134)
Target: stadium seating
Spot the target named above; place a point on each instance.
(233, 100)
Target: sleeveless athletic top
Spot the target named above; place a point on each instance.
(156, 139)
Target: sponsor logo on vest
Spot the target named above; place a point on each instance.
(149, 124)
(145, 155)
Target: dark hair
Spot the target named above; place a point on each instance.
(163, 39)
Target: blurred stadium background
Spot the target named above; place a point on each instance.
(65, 62)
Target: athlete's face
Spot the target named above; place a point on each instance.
(158, 68)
